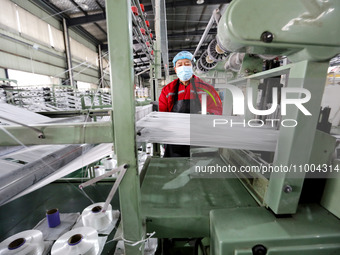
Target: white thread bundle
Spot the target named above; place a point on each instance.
(92, 216)
(80, 241)
(109, 163)
(199, 130)
(98, 171)
(29, 242)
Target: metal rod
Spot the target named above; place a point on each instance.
(144, 71)
(94, 180)
(40, 133)
(114, 188)
(206, 31)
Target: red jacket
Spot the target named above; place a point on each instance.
(166, 99)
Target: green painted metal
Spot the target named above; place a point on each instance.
(119, 28)
(330, 197)
(64, 133)
(263, 75)
(312, 230)
(295, 144)
(297, 30)
(323, 148)
(2, 73)
(17, 53)
(251, 64)
(12, 61)
(153, 83)
(176, 201)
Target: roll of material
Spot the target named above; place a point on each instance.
(99, 170)
(79, 241)
(109, 163)
(92, 216)
(29, 242)
(53, 218)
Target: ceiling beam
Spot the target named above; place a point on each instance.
(212, 31)
(100, 6)
(178, 49)
(86, 19)
(138, 56)
(141, 64)
(188, 3)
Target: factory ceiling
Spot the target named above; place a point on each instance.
(186, 22)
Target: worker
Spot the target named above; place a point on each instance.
(183, 95)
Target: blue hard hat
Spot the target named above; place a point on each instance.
(182, 55)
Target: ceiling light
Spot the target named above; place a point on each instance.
(187, 39)
(200, 1)
(84, 6)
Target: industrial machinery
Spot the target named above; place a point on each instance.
(267, 212)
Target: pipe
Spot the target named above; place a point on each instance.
(148, 69)
(206, 31)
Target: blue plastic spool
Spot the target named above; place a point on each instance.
(53, 218)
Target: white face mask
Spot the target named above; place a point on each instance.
(184, 73)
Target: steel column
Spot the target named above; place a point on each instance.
(157, 50)
(119, 26)
(101, 71)
(160, 7)
(68, 53)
